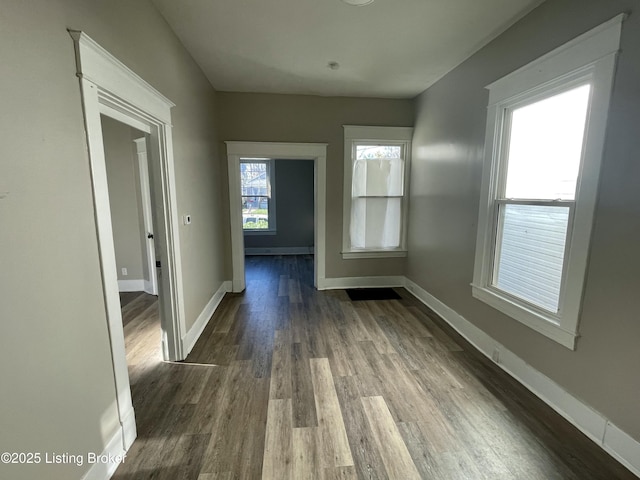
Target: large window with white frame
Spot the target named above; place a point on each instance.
(543, 150)
(375, 191)
(258, 200)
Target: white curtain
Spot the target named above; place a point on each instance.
(376, 208)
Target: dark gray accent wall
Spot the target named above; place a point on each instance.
(445, 189)
(294, 207)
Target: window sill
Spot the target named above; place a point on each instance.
(543, 324)
(374, 254)
(259, 232)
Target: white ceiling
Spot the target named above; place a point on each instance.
(391, 48)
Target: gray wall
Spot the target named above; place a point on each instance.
(124, 198)
(445, 187)
(60, 395)
(294, 207)
(300, 118)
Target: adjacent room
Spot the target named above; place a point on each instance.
(354, 239)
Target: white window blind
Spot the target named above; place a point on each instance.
(530, 255)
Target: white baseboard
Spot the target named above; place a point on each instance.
(622, 447)
(114, 451)
(129, 430)
(131, 285)
(593, 424)
(361, 282)
(148, 288)
(279, 251)
(191, 337)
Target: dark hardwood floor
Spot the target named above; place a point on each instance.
(290, 383)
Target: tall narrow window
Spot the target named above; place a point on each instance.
(542, 162)
(376, 168)
(544, 143)
(256, 185)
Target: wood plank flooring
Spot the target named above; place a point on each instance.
(290, 383)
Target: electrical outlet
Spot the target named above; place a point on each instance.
(124, 272)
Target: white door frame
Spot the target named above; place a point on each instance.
(151, 285)
(108, 87)
(296, 151)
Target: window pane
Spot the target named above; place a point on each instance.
(366, 152)
(545, 146)
(375, 222)
(255, 213)
(254, 178)
(530, 253)
(378, 177)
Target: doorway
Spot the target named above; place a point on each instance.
(316, 152)
(146, 216)
(109, 88)
(130, 203)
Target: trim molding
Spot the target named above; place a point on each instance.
(354, 134)
(619, 444)
(588, 59)
(279, 251)
(361, 282)
(151, 285)
(593, 424)
(584, 49)
(131, 285)
(104, 471)
(129, 430)
(316, 152)
(98, 66)
(109, 88)
(374, 254)
(191, 337)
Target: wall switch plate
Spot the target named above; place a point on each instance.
(186, 219)
(124, 272)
